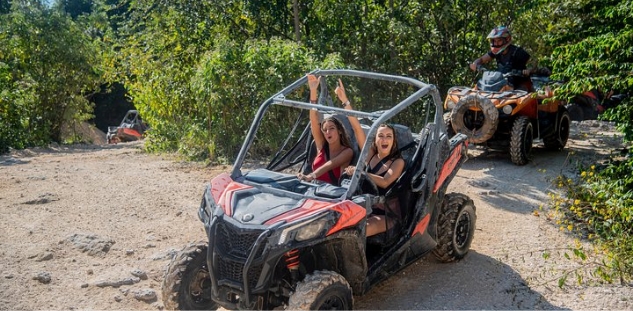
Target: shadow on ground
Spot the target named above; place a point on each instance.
(477, 282)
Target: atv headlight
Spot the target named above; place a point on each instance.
(507, 109)
(306, 230)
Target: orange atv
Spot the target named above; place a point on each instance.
(497, 116)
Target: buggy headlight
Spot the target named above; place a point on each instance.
(305, 230)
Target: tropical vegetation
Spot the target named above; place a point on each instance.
(197, 70)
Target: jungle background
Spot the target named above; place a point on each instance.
(198, 70)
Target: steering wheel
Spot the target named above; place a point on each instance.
(365, 184)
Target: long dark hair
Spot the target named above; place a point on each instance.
(394, 153)
(345, 141)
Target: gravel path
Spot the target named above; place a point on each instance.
(93, 227)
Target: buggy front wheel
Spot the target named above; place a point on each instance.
(322, 290)
(187, 285)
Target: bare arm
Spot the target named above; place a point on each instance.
(358, 130)
(315, 118)
(484, 59)
(340, 160)
(392, 174)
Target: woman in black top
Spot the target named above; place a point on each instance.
(385, 163)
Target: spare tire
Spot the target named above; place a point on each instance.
(478, 124)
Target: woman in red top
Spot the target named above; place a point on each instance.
(334, 150)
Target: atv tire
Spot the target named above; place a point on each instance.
(575, 112)
(449, 125)
(559, 139)
(521, 139)
(322, 290)
(480, 125)
(186, 285)
(455, 227)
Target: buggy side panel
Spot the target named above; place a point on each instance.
(452, 164)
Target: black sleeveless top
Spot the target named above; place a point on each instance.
(376, 168)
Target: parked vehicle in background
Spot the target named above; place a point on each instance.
(495, 115)
(273, 240)
(131, 128)
(589, 105)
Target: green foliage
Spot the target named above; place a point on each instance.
(593, 51)
(600, 207)
(49, 63)
(592, 41)
(234, 79)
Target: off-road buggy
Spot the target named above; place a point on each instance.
(496, 115)
(589, 105)
(131, 128)
(275, 241)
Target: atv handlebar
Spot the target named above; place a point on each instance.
(512, 73)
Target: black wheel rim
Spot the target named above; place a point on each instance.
(200, 287)
(462, 230)
(333, 303)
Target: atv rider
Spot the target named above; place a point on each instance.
(334, 149)
(384, 166)
(509, 57)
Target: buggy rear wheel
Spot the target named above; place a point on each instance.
(187, 285)
(455, 227)
(475, 116)
(522, 137)
(322, 290)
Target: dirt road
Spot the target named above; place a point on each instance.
(93, 227)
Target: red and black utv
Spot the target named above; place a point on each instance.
(274, 241)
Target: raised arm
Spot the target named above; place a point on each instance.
(315, 117)
(359, 133)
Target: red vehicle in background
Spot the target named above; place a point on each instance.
(131, 128)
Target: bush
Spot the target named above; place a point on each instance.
(599, 206)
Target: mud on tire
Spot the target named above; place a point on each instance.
(480, 124)
(455, 227)
(186, 285)
(322, 290)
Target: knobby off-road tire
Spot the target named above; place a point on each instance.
(322, 290)
(559, 139)
(186, 285)
(521, 139)
(575, 112)
(449, 125)
(478, 133)
(455, 227)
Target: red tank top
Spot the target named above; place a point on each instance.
(321, 159)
